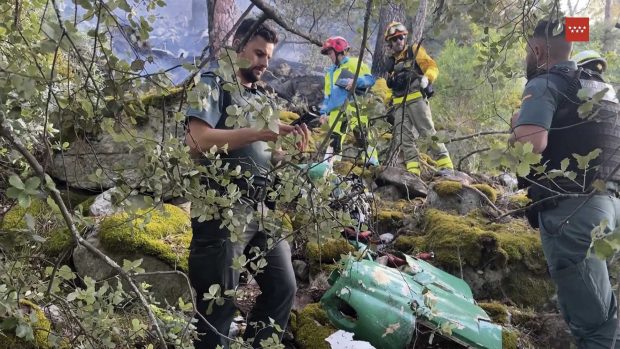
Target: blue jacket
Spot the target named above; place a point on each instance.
(334, 95)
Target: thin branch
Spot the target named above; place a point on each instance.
(211, 56)
(55, 194)
(276, 17)
(483, 133)
(484, 197)
(458, 166)
(194, 309)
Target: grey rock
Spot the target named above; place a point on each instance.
(508, 180)
(386, 238)
(458, 176)
(307, 89)
(462, 202)
(118, 161)
(165, 287)
(103, 204)
(302, 271)
(390, 193)
(410, 186)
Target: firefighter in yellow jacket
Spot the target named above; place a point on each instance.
(410, 76)
(338, 83)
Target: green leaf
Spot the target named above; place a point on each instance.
(599, 185)
(585, 109)
(233, 110)
(602, 249)
(239, 262)
(137, 65)
(13, 192)
(16, 182)
(33, 183)
(584, 160)
(30, 222)
(214, 290)
(523, 169)
(24, 200)
(564, 164)
(123, 5)
(23, 331)
(135, 324)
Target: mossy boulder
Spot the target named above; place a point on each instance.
(516, 201)
(329, 251)
(159, 237)
(345, 168)
(41, 330)
(510, 339)
(48, 224)
(487, 190)
(311, 326)
(394, 215)
(498, 260)
(453, 196)
(410, 186)
(497, 311)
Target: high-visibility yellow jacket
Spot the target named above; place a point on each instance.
(334, 94)
(425, 62)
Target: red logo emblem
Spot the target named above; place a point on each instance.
(577, 29)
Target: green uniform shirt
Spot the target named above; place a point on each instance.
(540, 100)
(254, 157)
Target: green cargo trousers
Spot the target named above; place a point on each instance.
(210, 262)
(416, 122)
(584, 292)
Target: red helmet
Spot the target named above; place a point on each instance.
(337, 43)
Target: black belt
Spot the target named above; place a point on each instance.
(254, 188)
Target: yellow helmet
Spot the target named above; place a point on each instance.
(395, 29)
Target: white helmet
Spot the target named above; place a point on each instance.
(591, 58)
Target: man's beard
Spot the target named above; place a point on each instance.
(531, 69)
(249, 75)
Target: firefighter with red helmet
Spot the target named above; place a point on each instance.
(338, 83)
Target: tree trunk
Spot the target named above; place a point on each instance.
(608, 44)
(198, 20)
(222, 15)
(389, 12)
(418, 23)
(571, 9)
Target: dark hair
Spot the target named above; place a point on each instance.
(263, 30)
(549, 29)
(553, 33)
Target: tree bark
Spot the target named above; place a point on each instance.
(389, 12)
(221, 17)
(418, 23)
(608, 44)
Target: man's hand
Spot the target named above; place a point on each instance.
(305, 133)
(266, 135)
(323, 119)
(423, 82)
